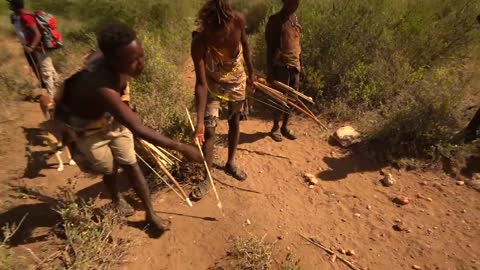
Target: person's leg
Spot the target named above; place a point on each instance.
(282, 75)
(140, 186)
(208, 149)
(48, 73)
(123, 151)
(32, 62)
(234, 109)
(212, 112)
(294, 82)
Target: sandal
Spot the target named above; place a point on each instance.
(276, 135)
(236, 173)
(200, 190)
(287, 133)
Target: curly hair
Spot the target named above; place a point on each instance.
(215, 14)
(114, 36)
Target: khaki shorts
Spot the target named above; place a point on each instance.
(104, 150)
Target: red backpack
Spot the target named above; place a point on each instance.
(47, 24)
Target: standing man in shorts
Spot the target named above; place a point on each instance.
(284, 61)
(223, 69)
(103, 125)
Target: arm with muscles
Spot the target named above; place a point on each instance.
(123, 114)
(272, 46)
(247, 55)
(201, 87)
(37, 36)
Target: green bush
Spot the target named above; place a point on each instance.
(159, 94)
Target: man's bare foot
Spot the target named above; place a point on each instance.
(158, 223)
(123, 208)
(235, 172)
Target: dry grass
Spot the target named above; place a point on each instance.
(252, 253)
(90, 240)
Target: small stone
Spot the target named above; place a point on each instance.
(416, 267)
(248, 222)
(400, 227)
(398, 220)
(312, 179)
(288, 248)
(401, 200)
(435, 228)
(333, 258)
(280, 237)
(460, 183)
(424, 183)
(351, 252)
(347, 136)
(170, 217)
(357, 215)
(420, 196)
(388, 180)
(281, 209)
(311, 187)
(369, 207)
(343, 220)
(341, 251)
(464, 211)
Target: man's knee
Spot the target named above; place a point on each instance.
(210, 126)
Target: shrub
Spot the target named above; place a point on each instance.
(159, 94)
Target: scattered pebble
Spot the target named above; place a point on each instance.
(388, 180)
(460, 183)
(351, 252)
(401, 200)
(343, 220)
(288, 248)
(369, 207)
(464, 211)
(424, 183)
(333, 258)
(416, 267)
(248, 222)
(401, 228)
(342, 251)
(398, 220)
(170, 217)
(420, 196)
(357, 215)
(312, 179)
(311, 187)
(280, 237)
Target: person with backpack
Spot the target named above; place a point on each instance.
(38, 35)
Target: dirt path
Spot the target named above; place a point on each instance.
(349, 209)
